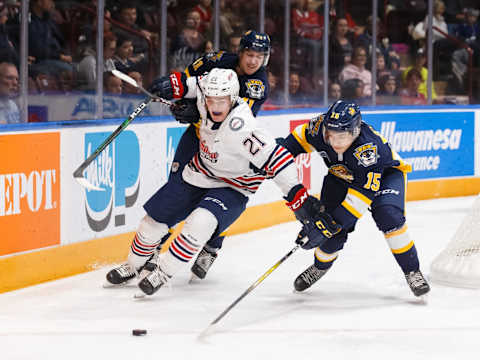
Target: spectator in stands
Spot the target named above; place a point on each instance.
(334, 92)
(410, 94)
(112, 85)
(340, 48)
(9, 113)
(306, 25)
(204, 8)
(189, 43)
(296, 94)
(387, 94)
(354, 90)
(87, 67)
(275, 95)
(7, 49)
(129, 89)
(234, 43)
(46, 42)
(454, 11)
(420, 61)
(469, 32)
(128, 17)
(357, 70)
(123, 59)
(337, 10)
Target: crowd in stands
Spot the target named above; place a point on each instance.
(62, 45)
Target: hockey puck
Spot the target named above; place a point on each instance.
(139, 332)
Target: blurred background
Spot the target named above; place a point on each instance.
(56, 55)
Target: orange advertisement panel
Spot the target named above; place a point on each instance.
(29, 191)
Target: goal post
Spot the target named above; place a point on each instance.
(458, 264)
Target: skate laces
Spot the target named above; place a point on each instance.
(157, 277)
(311, 275)
(416, 279)
(126, 270)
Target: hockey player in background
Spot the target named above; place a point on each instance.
(249, 64)
(363, 172)
(233, 158)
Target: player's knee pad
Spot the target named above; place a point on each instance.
(388, 217)
(199, 226)
(150, 231)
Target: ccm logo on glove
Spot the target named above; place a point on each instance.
(177, 86)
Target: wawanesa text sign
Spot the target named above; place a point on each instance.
(436, 144)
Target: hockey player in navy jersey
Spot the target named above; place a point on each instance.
(364, 172)
(249, 64)
(233, 158)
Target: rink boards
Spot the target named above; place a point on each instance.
(52, 227)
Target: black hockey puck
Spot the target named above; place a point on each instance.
(139, 332)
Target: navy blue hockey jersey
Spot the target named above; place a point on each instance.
(253, 88)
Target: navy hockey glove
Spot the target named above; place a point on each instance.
(316, 232)
(318, 226)
(185, 111)
(173, 86)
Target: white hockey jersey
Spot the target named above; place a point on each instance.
(228, 150)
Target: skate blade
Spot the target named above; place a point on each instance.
(194, 279)
(423, 299)
(139, 295)
(107, 285)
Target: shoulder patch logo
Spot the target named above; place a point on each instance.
(314, 125)
(255, 88)
(366, 154)
(342, 172)
(236, 123)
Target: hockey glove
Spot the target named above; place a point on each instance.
(185, 111)
(316, 232)
(173, 86)
(318, 226)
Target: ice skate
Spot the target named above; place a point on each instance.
(307, 278)
(202, 264)
(120, 275)
(152, 282)
(417, 283)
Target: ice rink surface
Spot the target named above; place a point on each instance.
(362, 309)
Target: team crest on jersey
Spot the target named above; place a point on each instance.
(236, 123)
(342, 172)
(314, 125)
(366, 154)
(214, 56)
(206, 154)
(255, 88)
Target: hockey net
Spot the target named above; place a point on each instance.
(458, 264)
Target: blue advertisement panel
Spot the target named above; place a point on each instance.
(436, 144)
(173, 138)
(117, 171)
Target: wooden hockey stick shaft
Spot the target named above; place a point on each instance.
(249, 290)
(78, 173)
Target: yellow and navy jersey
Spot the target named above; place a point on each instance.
(253, 88)
(360, 167)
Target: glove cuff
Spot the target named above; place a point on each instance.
(298, 195)
(178, 88)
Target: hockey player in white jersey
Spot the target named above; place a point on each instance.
(234, 157)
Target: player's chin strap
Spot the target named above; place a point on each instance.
(210, 327)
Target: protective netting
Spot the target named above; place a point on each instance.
(459, 263)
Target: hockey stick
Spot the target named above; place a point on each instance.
(132, 82)
(78, 174)
(206, 332)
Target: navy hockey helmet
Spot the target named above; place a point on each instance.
(256, 41)
(343, 116)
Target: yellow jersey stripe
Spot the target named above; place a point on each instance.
(351, 209)
(187, 72)
(403, 249)
(359, 195)
(400, 231)
(300, 136)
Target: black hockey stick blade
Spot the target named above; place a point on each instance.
(78, 173)
(210, 327)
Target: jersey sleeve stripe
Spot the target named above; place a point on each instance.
(360, 196)
(356, 203)
(351, 209)
(300, 135)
